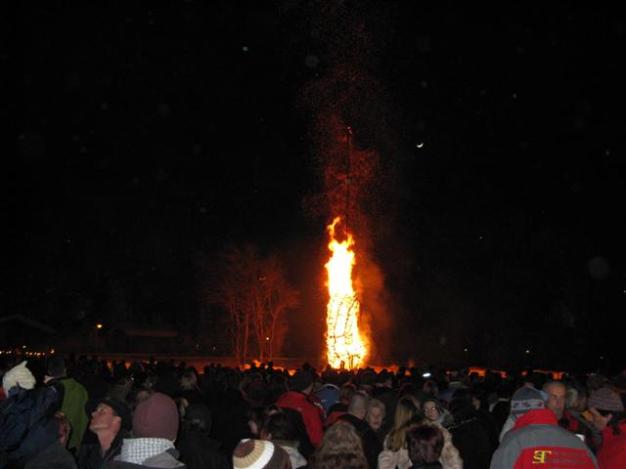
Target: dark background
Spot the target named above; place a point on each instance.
(148, 138)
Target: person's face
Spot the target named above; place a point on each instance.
(430, 410)
(375, 417)
(476, 403)
(556, 399)
(103, 418)
(581, 403)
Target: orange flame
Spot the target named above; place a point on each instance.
(345, 345)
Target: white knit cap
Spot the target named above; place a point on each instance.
(20, 376)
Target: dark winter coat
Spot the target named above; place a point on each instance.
(54, 456)
(471, 438)
(27, 426)
(199, 451)
(230, 420)
(500, 413)
(489, 424)
(90, 456)
(371, 444)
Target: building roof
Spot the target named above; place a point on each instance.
(28, 322)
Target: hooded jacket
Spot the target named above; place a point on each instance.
(536, 441)
(311, 414)
(26, 424)
(73, 400)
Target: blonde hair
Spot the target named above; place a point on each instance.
(375, 404)
(406, 409)
(341, 447)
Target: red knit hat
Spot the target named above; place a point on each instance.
(156, 417)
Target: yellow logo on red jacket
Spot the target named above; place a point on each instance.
(540, 456)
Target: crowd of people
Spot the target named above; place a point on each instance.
(88, 413)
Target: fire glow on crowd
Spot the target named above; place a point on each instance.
(346, 345)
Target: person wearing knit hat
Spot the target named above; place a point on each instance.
(537, 439)
(156, 417)
(609, 418)
(260, 454)
(18, 376)
(155, 427)
(524, 399)
(605, 399)
(27, 427)
(527, 398)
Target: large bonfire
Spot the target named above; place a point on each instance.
(346, 345)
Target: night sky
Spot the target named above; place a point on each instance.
(148, 139)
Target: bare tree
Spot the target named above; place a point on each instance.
(274, 297)
(255, 294)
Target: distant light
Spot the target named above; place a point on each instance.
(420, 145)
(426, 375)
(98, 326)
(245, 48)
(465, 349)
(51, 350)
(527, 351)
(601, 357)
(267, 338)
(23, 346)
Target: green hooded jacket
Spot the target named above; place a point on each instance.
(73, 406)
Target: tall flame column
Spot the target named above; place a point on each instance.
(345, 345)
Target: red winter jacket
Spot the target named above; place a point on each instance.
(311, 414)
(612, 455)
(536, 441)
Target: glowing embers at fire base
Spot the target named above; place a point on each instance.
(345, 345)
